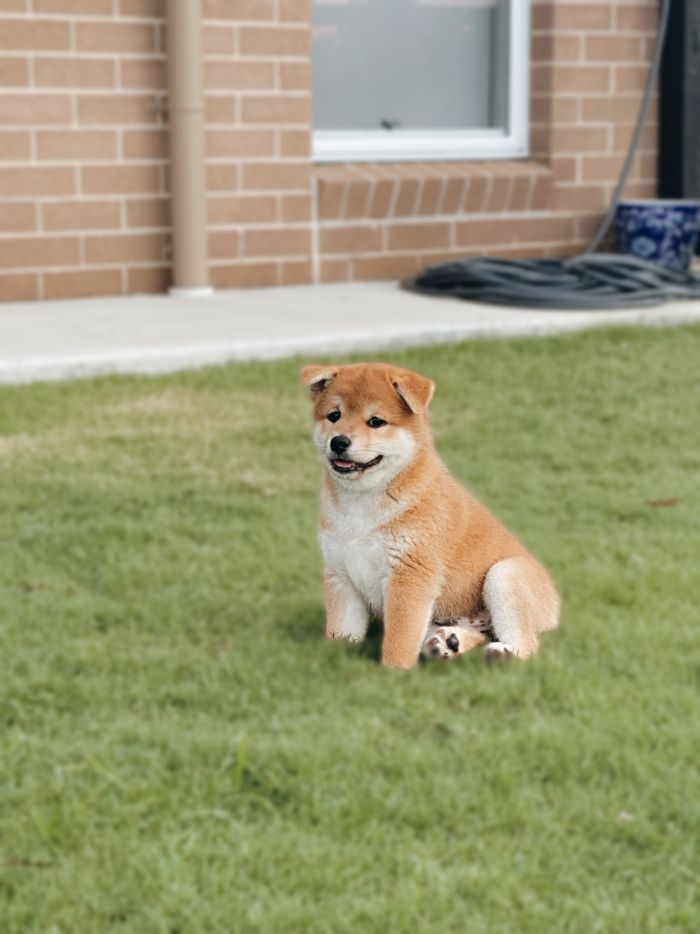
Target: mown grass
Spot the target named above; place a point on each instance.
(181, 750)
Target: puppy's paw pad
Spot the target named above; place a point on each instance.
(452, 642)
(436, 646)
(497, 652)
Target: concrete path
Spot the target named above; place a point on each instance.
(160, 334)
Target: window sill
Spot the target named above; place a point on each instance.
(430, 189)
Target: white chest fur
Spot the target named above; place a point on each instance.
(355, 545)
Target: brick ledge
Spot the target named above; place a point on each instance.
(426, 189)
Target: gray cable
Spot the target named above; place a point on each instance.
(589, 281)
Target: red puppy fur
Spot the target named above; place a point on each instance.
(400, 537)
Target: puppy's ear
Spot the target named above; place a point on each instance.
(317, 377)
(415, 390)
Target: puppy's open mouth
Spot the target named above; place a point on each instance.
(341, 465)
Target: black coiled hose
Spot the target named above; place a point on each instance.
(589, 281)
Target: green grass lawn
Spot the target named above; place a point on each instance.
(182, 752)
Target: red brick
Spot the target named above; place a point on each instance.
(14, 72)
(38, 252)
(498, 194)
(353, 239)
(613, 48)
(274, 41)
(19, 288)
(120, 179)
(151, 279)
(477, 192)
(224, 244)
(148, 9)
(80, 215)
(148, 212)
(406, 198)
(615, 109)
(219, 110)
(430, 196)
(222, 177)
(240, 143)
(567, 78)
(34, 109)
(384, 267)
(124, 248)
(555, 48)
(565, 168)
(117, 108)
(541, 193)
(115, 37)
(637, 18)
(34, 182)
(34, 34)
(295, 209)
(414, 236)
(275, 241)
(145, 144)
(295, 10)
(583, 15)
(218, 40)
(76, 144)
(74, 72)
(357, 197)
(244, 276)
(382, 197)
(237, 75)
(14, 145)
(277, 109)
(82, 283)
(602, 168)
(143, 73)
(579, 139)
(520, 193)
(631, 77)
(579, 198)
(330, 198)
(295, 143)
(334, 270)
(242, 209)
(85, 7)
(276, 175)
(505, 231)
(295, 76)
(17, 216)
(296, 273)
(239, 9)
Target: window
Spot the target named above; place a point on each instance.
(420, 79)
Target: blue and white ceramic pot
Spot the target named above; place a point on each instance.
(662, 231)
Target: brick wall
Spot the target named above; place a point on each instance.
(84, 200)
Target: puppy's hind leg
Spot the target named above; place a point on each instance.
(523, 603)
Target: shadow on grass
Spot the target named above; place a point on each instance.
(308, 625)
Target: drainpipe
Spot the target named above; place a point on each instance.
(186, 118)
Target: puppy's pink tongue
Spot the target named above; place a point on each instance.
(342, 463)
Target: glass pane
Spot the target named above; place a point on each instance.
(409, 64)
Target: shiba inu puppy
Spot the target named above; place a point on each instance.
(402, 539)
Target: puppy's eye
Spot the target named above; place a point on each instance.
(376, 422)
(333, 416)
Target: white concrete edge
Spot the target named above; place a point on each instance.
(171, 359)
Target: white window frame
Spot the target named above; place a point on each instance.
(424, 145)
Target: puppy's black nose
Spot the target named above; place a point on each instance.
(340, 444)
